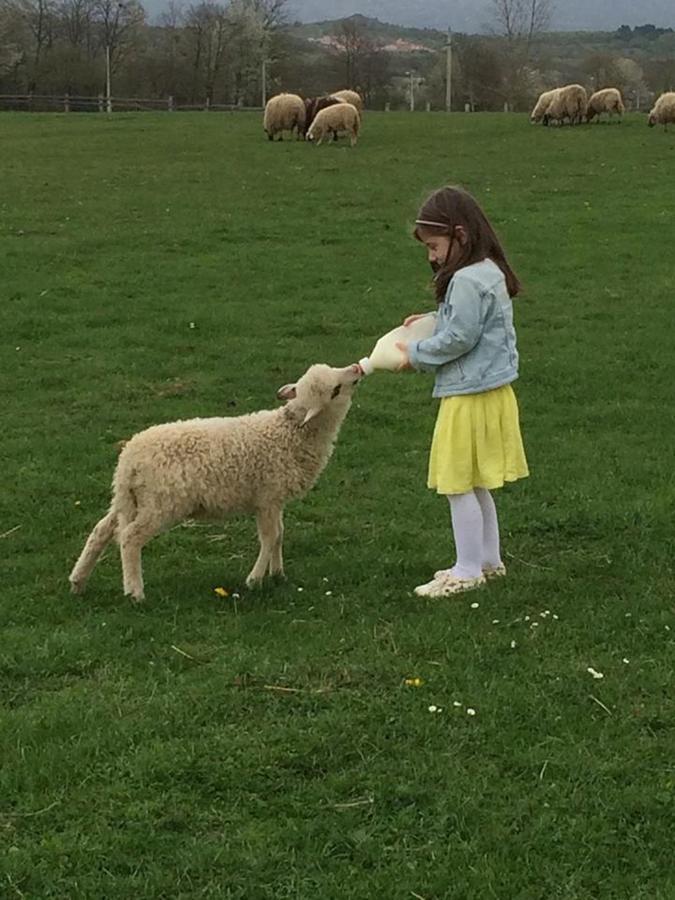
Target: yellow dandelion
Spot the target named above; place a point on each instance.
(221, 592)
(413, 682)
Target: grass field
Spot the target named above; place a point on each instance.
(158, 267)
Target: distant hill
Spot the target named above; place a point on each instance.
(474, 15)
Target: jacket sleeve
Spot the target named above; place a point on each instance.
(459, 333)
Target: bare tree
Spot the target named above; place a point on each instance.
(118, 24)
(521, 20)
(519, 23)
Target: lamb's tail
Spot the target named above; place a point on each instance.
(97, 541)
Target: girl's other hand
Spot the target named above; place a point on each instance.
(405, 364)
(410, 319)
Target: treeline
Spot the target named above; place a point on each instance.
(227, 52)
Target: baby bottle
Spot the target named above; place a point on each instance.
(386, 355)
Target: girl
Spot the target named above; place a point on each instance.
(477, 444)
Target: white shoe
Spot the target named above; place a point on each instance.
(490, 572)
(445, 585)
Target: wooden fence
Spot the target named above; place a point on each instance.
(66, 103)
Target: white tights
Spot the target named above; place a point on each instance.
(476, 531)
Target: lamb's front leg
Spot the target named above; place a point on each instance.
(268, 521)
(276, 564)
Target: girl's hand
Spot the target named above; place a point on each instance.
(405, 364)
(410, 319)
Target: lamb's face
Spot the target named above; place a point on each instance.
(321, 387)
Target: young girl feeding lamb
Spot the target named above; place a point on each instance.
(477, 445)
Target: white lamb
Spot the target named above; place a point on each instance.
(212, 468)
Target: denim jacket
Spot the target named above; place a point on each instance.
(473, 347)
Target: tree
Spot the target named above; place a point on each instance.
(519, 23)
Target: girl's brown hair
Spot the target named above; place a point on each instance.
(441, 213)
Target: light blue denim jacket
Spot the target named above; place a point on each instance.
(473, 347)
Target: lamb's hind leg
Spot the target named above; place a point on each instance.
(97, 541)
(269, 522)
(132, 539)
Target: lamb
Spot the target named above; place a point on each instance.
(314, 105)
(352, 97)
(570, 102)
(664, 111)
(211, 468)
(284, 112)
(608, 101)
(341, 117)
(542, 105)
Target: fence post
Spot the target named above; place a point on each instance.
(207, 105)
(170, 103)
(428, 106)
(100, 102)
(29, 102)
(387, 106)
(66, 103)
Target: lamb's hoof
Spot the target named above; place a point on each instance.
(76, 586)
(135, 596)
(253, 583)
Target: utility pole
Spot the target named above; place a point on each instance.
(108, 98)
(263, 95)
(412, 92)
(448, 72)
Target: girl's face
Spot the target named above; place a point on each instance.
(439, 245)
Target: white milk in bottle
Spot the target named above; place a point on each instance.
(386, 356)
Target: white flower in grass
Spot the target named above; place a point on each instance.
(470, 711)
(495, 621)
(513, 645)
(527, 618)
(456, 703)
(475, 605)
(435, 709)
(300, 590)
(329, 593)
(596, 675)
(626, 660)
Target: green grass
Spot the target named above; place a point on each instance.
(132, 770)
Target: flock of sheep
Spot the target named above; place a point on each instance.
(314, 118)
(572, 104)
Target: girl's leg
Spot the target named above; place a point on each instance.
(491, 558)
(467, 527)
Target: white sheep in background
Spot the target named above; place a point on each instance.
(341, 117)
(570, 102)
(285, 112)
(663, 112)
(609, 100)
(542, 105)
(352, 97)
(212, 468)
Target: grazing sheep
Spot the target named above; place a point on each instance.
(664, 111)
(284, 112)
(314, 105)
(350, 97)
(341, 117)
(608, 101)
(542, 105)
(211, 468)
(569, 103)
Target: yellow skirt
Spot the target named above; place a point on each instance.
(477, 442)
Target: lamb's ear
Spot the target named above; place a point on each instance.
(287, 392)
(309, 415)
